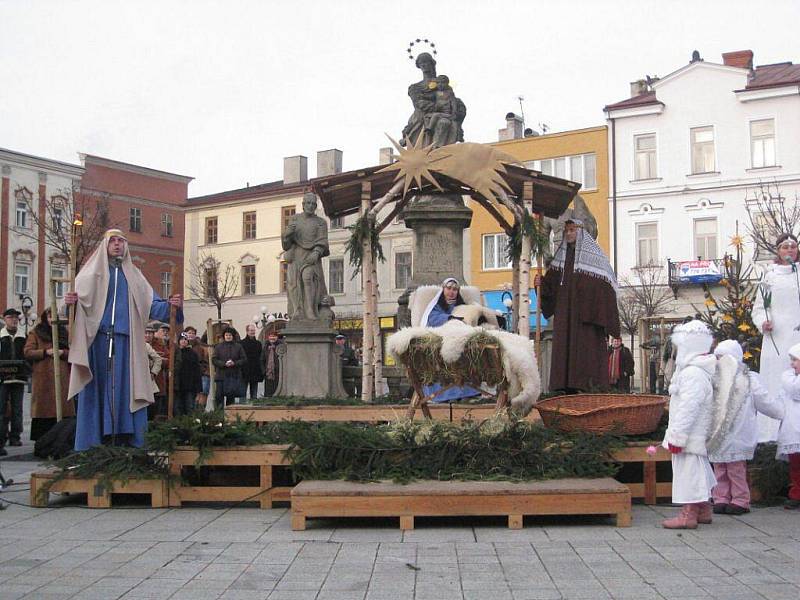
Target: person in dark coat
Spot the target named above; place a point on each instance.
(188, 377)
(229, 359)
(579, 291)
(39, 352)
(620, 366)
(252, 370)
(270, 363)
(12, 387)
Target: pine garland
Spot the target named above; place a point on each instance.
(362, 229)
(533, 228)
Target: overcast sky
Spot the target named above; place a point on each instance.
(223, 90)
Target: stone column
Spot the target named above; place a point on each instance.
(310, 361)
(438, 222)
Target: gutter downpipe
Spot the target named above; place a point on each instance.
(614, 187)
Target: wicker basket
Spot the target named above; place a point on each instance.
(626, 413)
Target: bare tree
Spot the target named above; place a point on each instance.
(63, 213)
(629, 313)
(212, 282)
(770, 215)
(645, 294)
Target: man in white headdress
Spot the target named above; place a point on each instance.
(113, 303)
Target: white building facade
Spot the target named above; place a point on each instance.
(688, 150)
(26, 261)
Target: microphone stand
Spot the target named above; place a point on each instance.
(111, 353)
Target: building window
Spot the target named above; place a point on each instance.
(762, 143)
(211, 283)
(249, 225)
(703, 150)
(22, 278)
(646, 244)
(494, 251)
(166, 284)
(284, 275)
(581, 168)
(402, 270)
(337, 222)
(211, 230)
(287, 212)
(645, 156)
(705, 239)
(22, 214)
(135, 219)
(58, 272)
(248, 280)
(336, 275)
(166, 224)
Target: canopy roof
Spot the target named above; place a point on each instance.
(341, 194)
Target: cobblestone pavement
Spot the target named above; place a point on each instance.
(243, 553)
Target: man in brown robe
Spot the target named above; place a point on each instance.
(579, 292)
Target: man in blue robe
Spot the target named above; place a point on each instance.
(112, 403)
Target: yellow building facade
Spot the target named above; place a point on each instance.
(579, 155)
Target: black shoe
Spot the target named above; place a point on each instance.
(15, 443)
(3, 451)
(791, 504)
(734, 509)
(720, 509)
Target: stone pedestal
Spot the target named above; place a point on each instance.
(310, 362)
(438, 222)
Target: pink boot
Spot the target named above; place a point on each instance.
(704, 513)
(686, 519)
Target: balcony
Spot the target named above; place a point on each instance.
(685, 273)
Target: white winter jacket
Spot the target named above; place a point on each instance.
(740, 441)
(789, 432)
(691, 396)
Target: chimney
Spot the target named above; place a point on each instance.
(386, 156)
(329, 162)
(530, 132)
(513, 129)
(295, 169)
(638, 87)
(742, 59)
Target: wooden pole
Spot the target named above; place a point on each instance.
(56, 348)
(173, 336)
(524, 328)
(73, 268)
(368, 340)
(539, 267)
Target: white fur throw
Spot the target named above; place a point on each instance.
(519, 358)
(471, 314)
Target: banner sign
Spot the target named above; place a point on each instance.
(698, 271)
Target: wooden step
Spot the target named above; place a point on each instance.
(97, 495)
(603, 496)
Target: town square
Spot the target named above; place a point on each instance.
(376, 301)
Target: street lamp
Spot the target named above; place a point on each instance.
(26, 303)
(508, 301)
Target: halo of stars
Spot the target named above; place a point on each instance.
(419, 41)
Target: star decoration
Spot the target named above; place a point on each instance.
(737, 241)
(414, 164)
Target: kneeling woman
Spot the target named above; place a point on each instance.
(438, 312)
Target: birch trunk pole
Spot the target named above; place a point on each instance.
(525, 266)
(515, 295)
(368, 340)
(377, 350)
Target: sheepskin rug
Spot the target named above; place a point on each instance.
(519, 358)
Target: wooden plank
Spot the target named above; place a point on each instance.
(463, 498)
(406, 522)
(365, 414)
(212, 493)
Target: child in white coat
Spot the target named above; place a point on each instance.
(691, 396)
(741, 397)
(789, 432)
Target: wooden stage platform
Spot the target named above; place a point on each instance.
(97, 495)
(601, 496)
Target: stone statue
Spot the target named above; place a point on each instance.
(438, 114)
(305, 242)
